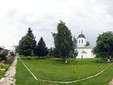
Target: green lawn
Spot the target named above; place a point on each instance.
(57, 70)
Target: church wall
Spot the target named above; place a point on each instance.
(88, 53)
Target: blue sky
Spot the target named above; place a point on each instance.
(93, 17)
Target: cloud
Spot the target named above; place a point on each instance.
(91, 16)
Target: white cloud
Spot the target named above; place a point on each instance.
(91, 16)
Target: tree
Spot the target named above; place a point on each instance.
(27, 45)
(50, 52)
(3, 54)
(63, 41)
(104, 45)
(56, 53)
(33, 41)
(17, 49)
(74, 42)
(41, 48)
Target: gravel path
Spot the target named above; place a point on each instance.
(9, 78)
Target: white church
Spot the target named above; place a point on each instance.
(84, 49)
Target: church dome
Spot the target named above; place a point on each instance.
(81, 36)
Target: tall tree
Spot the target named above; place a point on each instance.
(27, 45)
(74, 53)
(50, 52)
(63, 41)
(41, 48)
(104, 45)
(33, 41)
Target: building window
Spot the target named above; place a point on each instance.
(79, 41)
(82, 41)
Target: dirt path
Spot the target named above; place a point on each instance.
(9, 78)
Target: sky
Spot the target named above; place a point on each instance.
(93, 17)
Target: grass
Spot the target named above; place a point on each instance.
(57, 70)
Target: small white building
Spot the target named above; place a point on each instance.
(84, 49)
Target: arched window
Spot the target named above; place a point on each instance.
(82, 41)
(79, 41)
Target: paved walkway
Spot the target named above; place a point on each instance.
(9, 78)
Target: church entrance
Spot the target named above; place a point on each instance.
(81, 56)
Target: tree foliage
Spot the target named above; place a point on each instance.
(50, 53)
(104, 45)
(27, 45)
(17, 49)
(63, 41)
(74, 42)
(3, 54)
(41, 48)
(33, 41)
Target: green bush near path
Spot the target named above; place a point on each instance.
(1, 73)
(3, 69)
(57, 70)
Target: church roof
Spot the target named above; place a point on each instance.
(83, 52)
(81, 35)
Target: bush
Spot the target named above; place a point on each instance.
(3, 54)
(5, 66)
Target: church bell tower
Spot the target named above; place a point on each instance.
(81, 40)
